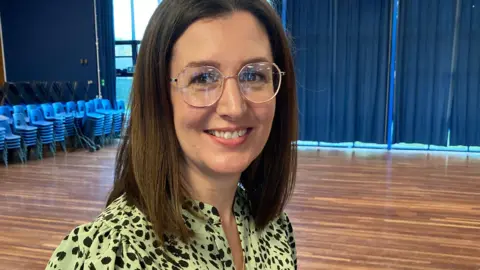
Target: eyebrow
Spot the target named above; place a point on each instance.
(217, 64)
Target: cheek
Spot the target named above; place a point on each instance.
(186, 118)
(265, 114)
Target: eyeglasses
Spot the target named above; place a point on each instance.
(203, 86)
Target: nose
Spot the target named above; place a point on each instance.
(231, 104)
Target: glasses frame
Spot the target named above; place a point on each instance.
(224, 78)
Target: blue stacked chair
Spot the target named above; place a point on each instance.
(23, 110)
(108, 127)
(58, 124)
(10, 108)
(31, 107)
(45, 129)
(117, 117)
(71, 108)
(3, 148)
(7, 112)
(12, 142)
(78, 115)
(27, 133)
(69, 119)
(120, 105)
(93, 123)
(81, 107)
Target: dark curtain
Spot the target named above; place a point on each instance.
(465, 119)
(106, 36)
(423, 71)
(341, 61)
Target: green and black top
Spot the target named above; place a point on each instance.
(122, 238)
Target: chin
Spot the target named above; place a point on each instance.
(230, 165)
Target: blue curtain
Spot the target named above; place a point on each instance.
(465, 119)
(341, 61)
(106, 37)
(423, 71)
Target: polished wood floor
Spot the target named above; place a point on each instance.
(351, 210)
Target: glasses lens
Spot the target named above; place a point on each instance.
(259, 82)
(200, 85)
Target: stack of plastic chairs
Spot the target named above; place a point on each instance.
(59, 110)
(93, 123)
(23, 110)
(3, 148)
(80, 111)
(10, 108)
(31, 107)
(120, 106)
(58, 124)
(27, 133)
(71, 108)
(108, 127)
(7, 112)
(45, 128)
(12, 142)
(117, 117)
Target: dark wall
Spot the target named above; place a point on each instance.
(45, 40)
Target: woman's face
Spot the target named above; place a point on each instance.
(224, 138)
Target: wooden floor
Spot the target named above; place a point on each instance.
(351, 210)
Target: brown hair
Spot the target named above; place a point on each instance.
(148, 165)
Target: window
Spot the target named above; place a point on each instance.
(125, 57)
(143, 10)
(124, 66)
(122, 13)
(130, 18)
(123, 50)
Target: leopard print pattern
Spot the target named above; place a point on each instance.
(122, 238)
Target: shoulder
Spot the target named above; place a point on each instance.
(279, 238)
(110, 242)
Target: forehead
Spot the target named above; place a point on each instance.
(228, 41)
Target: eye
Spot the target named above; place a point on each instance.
(253, 76)
(204, 78)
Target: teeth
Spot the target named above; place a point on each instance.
(228, 135)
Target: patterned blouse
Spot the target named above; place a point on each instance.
(122, 238)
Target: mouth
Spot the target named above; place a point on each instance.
(229, 135)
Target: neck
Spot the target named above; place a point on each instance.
(218, 191)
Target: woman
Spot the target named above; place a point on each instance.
(208, 161)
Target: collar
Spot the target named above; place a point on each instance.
(209, 213)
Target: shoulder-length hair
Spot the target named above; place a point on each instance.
(148, 164)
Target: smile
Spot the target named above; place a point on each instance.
(228, 134)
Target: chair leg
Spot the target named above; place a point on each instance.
(52, 148)
(5, 157)
(21, 155)
(75, 142)
(39, 150)
(62, 144)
